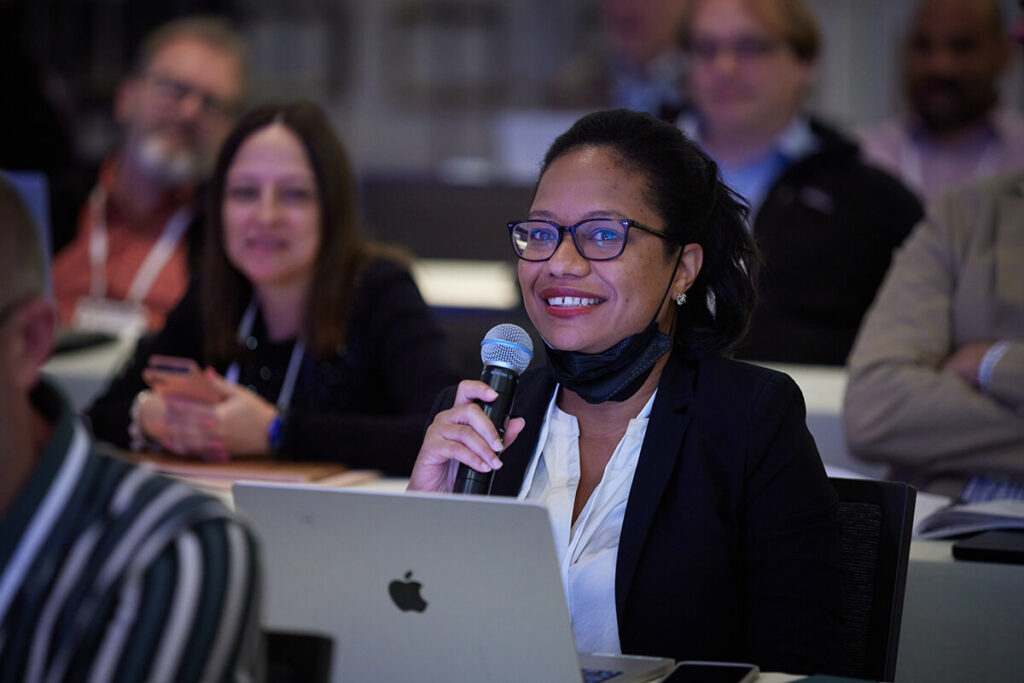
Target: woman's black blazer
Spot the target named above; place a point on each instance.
(730, 541)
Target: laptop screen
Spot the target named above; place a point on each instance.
(419, 586)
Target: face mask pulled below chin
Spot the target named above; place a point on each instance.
(614, 374)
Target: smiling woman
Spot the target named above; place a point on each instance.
(271, 213)
(579, 303)
(316, 342)
(689, 505)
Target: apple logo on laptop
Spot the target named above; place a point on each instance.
(406, 594)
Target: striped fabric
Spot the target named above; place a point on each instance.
(109, 572)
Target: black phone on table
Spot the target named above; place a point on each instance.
(997, 545)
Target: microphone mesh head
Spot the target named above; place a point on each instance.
(508, 346)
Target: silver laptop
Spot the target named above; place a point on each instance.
(419, 587)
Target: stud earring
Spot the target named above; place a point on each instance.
(680, 298)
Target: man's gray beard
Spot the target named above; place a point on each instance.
(172, 167)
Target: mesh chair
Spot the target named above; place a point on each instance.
(876, 518)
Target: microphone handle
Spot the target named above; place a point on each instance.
(502, 380)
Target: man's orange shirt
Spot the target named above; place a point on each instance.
(129, 241)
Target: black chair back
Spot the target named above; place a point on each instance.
(298, 657)
(876, 520)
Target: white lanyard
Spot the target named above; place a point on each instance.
(154, 262)
(912, 170)
(284, 398)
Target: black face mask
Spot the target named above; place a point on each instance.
(614, 374)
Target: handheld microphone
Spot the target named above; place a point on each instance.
(506, 350)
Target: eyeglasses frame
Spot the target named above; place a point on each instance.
(626, 224)
(744, 49)
(175, 90)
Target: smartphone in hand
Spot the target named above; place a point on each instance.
(176, 376)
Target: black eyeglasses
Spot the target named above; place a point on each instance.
(596, 239)
(173, 90)
(744, 48)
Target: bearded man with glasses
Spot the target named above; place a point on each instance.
(138, 232)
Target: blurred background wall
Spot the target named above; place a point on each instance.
(418, 86)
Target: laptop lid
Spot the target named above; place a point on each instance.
(420, 586)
